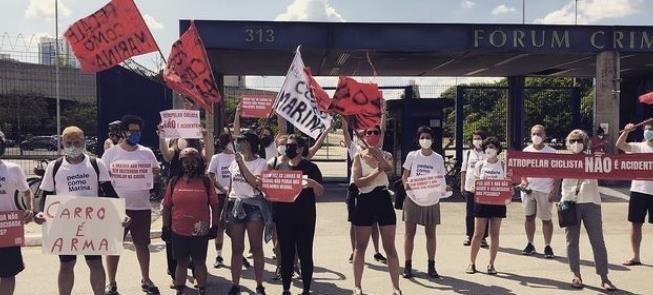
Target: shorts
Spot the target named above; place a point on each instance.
(374, 207)
(489, 211)
(141, 221)
(638, 205)
(537, 203)
(417, 214)
(12, 262)
(253, 213)
(193, 247)
(352, 193)
(70, 258)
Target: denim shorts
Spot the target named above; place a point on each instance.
(252, 213)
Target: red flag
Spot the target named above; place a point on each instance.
(322, 98)
(189, 70)
(646, 98)
(109, 36)
(363, 101)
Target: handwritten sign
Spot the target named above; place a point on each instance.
(83, 226)
(282, 185)
(12, 232)
(181, 124)
(132, 175)
(493, 191)
(426, 190)
(256, 106)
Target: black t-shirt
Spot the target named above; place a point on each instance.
(304, 206)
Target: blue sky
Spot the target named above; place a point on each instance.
(35, 17)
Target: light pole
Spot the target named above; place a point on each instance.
(56, 73)
(523, 11)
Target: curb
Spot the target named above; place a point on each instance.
(36, 240)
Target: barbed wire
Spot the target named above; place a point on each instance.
(20, 42)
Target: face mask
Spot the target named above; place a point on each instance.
(291, 151)
(134, 138)
(373, 140)
(491, 152)
(73, 151)
(477, 143)
(648, 135)
(576, 147)
(425, 143)
(190, 170)
(266, 140)
(281, 150)
(182, 144)
(536, 139)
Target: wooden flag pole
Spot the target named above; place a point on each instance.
(647, 121)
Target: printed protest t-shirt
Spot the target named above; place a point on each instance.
(486, 170)
(418, 164)
(78, 180)
(240, 189)
(190, 207)
(12, 179)
(135, 199)
(219, 166)
(641, 186)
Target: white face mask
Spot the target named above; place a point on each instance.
(425, 143)
(576, 147)
(182, 144)
(477, 143)
(73, 151)
(281, 150)
(536, 139)
(491, 153)
(648, 134)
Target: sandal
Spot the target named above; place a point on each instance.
(577, 283)
(631, 262)
(608, 286)
(358, 291)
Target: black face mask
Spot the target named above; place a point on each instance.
(190, 170)
(291, 151)
(266, 140)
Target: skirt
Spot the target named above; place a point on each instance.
(414, 213)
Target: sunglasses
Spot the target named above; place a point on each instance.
(575, 141)
(373, 132)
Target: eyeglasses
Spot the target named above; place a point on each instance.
(372, 132)
(576, 141)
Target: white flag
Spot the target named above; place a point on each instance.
(296, 103)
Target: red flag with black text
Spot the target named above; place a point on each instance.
(362, 101)
(646, 98)
(109, 36)
(189, 70)
(321, 97)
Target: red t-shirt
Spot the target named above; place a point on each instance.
(189, 204)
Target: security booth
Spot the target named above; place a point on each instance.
(408, 114)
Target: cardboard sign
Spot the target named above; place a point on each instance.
(282, 185)
(109, 36)
(493, 191)
(12, 232)
(426, 190)
(296, 103)
(83, 225)
(581, 166)
(181, 124)
(132, 175)
(256, 106)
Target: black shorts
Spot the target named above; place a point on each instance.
(193, 247)
(489, 211)
(69, 258)
(11, 262)
(374, 207)
(352, 193)
(638, 206)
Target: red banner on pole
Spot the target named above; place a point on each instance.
(363, 101)
(581, 166)
(493, 191)
(282, 185)
(12, 232)
(321, 97)
(256, 106)
(189, 70)
(646, 98)
(109, 36)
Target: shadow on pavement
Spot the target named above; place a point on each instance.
(552, 285)
(460, 286)
(563, 259)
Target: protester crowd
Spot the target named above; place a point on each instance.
(209, 193)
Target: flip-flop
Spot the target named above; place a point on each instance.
(631, 262)
(577, 283)
(608, 286)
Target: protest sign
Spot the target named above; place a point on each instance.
(256, 106)
(646, 98)
(83, 225)
(109, 36)
(493, 191)
(132, 175)
(12, 232)
(296, 103)
(426, 190)
(189, 70)
(181, 124)
(281, 185)
(580, 166)
(362, 101)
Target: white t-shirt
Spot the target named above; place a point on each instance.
(418, 164)
(240, 189)
(352, 150)
(641, 186)
(271, 151)
(134, 199)
(219, 166)
(468, 166)
(78, 180)
(588, 191)
(485, 170)
(12, 179)
(543, 185)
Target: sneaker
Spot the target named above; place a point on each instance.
(467, 241)
(379, 258)
(548, 252)
(358, 291)
(111, 290)
(149, 288)
(235, 290)
(351, 258)
(260, 290)
(471, 269)
(432, 273)
(277, 274)
(219, 262)
(408, 270)
(484, 244)
(491, 270)
(246, 263)
(529, 250)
